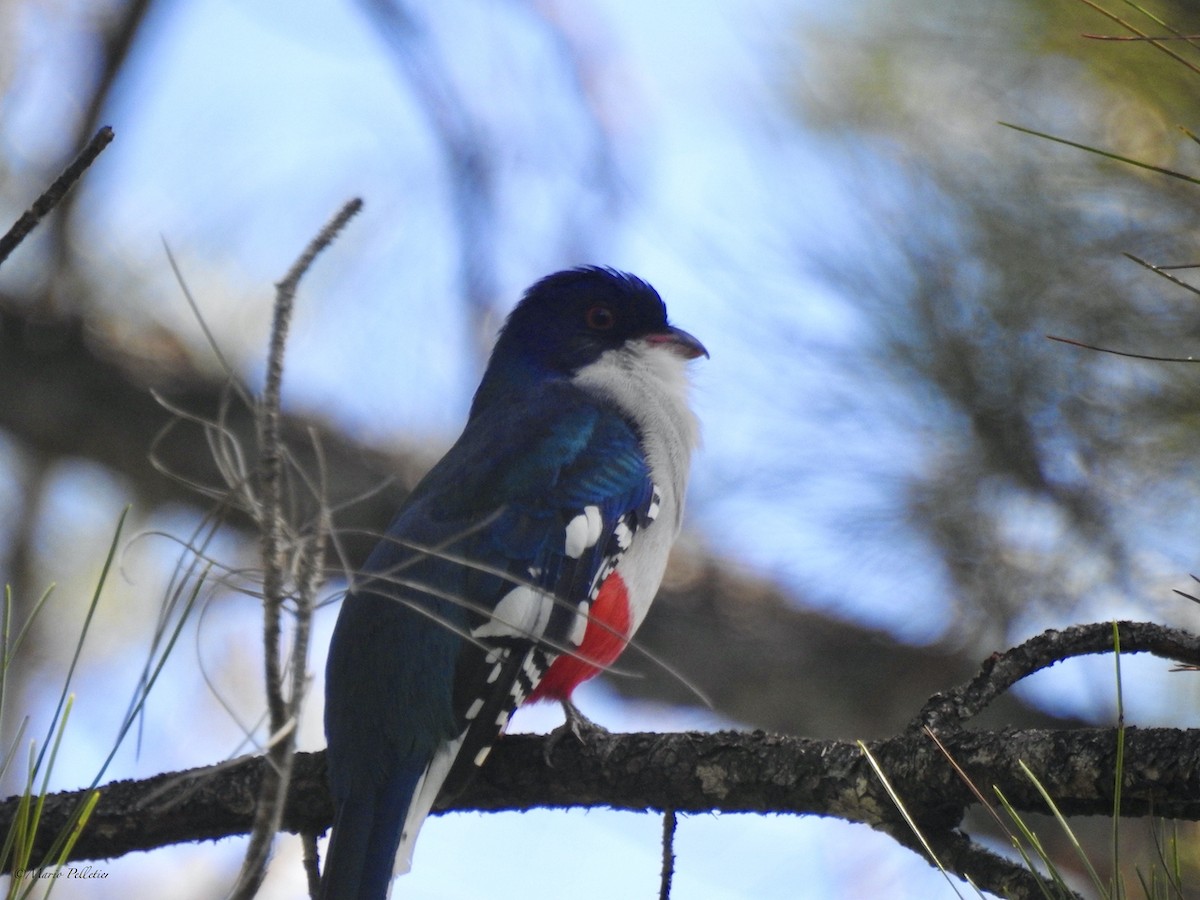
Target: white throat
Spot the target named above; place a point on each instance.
(649, 384)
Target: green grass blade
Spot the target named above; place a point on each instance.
(148, 681)
(1172, 868)
(908, 819)
(16, 853)
(26, 626)
(87, 623)
(58, 735)
(78, 822)
(29, 811)
(1032, 839)
(1062, 822)
(988, 807)
(9, 648)
(1147, 889)
(1106, 154)
(11, 753)
(61, 851)
(5, 651)
(23, 830)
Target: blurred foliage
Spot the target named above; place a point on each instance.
(1053, 481)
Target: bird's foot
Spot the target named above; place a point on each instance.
(577, 724)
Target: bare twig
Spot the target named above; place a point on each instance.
(1002, 670)
(1154, 42)
(271, 459)
(1125, 353)
(312, 863)
(668, 854)
(114, 36)
(117, 38)
(283, 710)
(1164, 271)
(54, 194)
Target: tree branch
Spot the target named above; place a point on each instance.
(689, 773)
(54, 194)
(938, 777)
(1002, 670)
(274, 527)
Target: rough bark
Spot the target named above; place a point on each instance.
(936, 767)
(700, 773)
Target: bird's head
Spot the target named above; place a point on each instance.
(569, 319)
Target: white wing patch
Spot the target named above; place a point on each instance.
(622, 535)
(522, 612)
(583, 531)
(579, 627)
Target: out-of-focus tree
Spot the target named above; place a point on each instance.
(1048, 481)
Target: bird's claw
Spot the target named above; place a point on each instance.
(576, 724)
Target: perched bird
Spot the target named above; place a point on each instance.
(519, 567)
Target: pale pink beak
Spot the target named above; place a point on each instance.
(680, 342)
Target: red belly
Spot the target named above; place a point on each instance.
(606, 635)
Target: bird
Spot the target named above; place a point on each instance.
(519, 567)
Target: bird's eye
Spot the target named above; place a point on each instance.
(600, 318)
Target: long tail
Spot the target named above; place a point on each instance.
(373, 838)
(424, 794)
(366, 833)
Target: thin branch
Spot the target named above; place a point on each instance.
(739, 772)
(115, 44)
(271, 460)
(1000, 672)
(1163, 271)
(312, 863)
(1125, 353)
(54, 194)
(114, 39)
(668, 854)
(690, 773)
(1141, 34)
(283, 714)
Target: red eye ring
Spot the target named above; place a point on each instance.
(600, 318)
